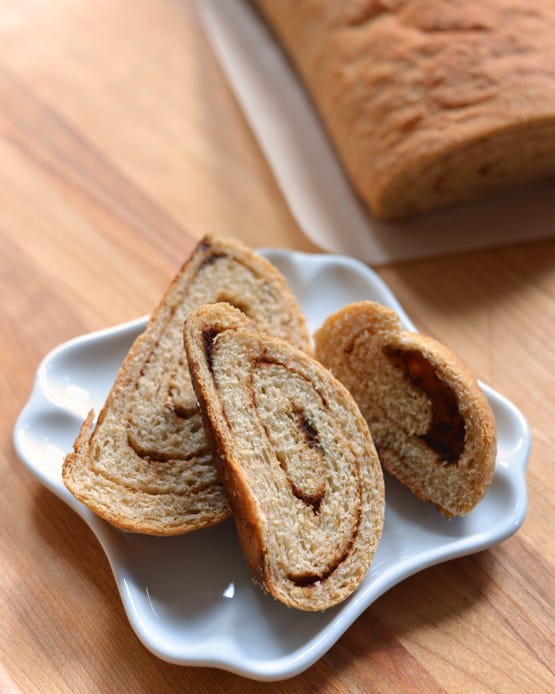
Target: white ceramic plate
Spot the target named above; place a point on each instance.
(190, 598)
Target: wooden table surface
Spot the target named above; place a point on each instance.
(120, 145)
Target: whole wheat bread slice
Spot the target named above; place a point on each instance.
(147, 466)
(295, 456)
(432, 425)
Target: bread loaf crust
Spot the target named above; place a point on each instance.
(431, 423)
(147, 466)
(295, 456)
(428, 102)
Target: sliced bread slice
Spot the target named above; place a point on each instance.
(147, 466)
(295, 457)
(432, 425)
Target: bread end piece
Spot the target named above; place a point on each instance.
(432, 425)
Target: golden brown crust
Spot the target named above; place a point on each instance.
(431, 423)
(80, 444)
(232, 478)
(428, 103)
(295, 456)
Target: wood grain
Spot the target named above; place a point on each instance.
(120, 144)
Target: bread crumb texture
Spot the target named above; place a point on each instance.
(296, 458)
(147, 465)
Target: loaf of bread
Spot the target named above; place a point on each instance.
(432, 426)
(295, 456)
(147, 466)
(428, 102)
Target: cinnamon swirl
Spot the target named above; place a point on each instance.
(147, 466)
(295, 456)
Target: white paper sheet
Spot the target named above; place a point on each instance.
(313, 181)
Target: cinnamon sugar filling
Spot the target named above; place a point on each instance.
(446, 433)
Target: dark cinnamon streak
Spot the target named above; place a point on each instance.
(308, 429)
(308, 579)
(155, 456)
(447, 430)
(311, 436)
(211, 259)
(313, 441)
(312, 500)
(208, 337)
